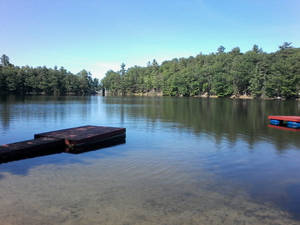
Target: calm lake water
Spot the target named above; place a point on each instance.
(185, 161)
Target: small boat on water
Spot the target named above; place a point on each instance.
(285, 121)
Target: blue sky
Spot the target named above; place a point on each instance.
(100, 35)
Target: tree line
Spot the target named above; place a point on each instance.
(254, 73)
(43, 80)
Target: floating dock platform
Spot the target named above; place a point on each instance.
(80, 137)
(30, 148)
(292, 122)
(73, 140)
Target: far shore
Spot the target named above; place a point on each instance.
(160, 94)
(156, 94)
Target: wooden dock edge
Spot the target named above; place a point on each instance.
(30, 149)
(73, 140)
(86, 147)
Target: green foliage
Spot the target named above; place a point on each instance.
(42, 80)
(254, 73)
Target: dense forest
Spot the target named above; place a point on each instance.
(43, 80)
(253, 73)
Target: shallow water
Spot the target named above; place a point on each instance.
(185, 161)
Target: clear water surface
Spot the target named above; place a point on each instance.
(185, 161)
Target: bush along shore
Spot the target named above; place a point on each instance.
(253, 74)
(44, 81)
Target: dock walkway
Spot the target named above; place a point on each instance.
(73, 140)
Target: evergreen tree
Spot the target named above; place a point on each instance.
(42, 80)
(253, 73)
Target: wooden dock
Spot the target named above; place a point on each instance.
(73, 140)
(84, 136)
(30, 148)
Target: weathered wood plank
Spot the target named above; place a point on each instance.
(31, 148)
(73, 140)
(91, 146)
(84, 135)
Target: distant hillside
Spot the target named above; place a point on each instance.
(222, 74)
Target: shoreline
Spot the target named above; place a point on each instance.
(159, 94)
(241, 97)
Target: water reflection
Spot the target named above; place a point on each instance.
(20, 166)
(46, 151)
(185, 161)
(221, 118)
(41, 108)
